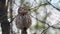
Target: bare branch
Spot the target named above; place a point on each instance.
(37, 7)
(55, 27)
(15, 3)
(52, 5)
(13, 19)
(44, 30)
(40, 20)
(45, 23)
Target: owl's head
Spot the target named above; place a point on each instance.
(23, 9)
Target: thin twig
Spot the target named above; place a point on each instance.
(52, 5)
(13, 19)
(44, 30)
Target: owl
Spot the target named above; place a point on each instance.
(23, 19)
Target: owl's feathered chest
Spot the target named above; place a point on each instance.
(23, 21)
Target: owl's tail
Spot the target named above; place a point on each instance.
(24, 31)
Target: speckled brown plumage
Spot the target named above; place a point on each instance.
(23, 20)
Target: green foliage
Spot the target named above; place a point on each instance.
(21, 1)
(39, 25)
(45, 32)
(39, 4)
(27, 4)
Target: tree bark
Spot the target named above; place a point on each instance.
(5, 25)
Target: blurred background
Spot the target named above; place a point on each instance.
(45, 16)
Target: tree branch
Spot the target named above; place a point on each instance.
(45, 23)
(13, 19)
(53, 6)
(44, 30)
